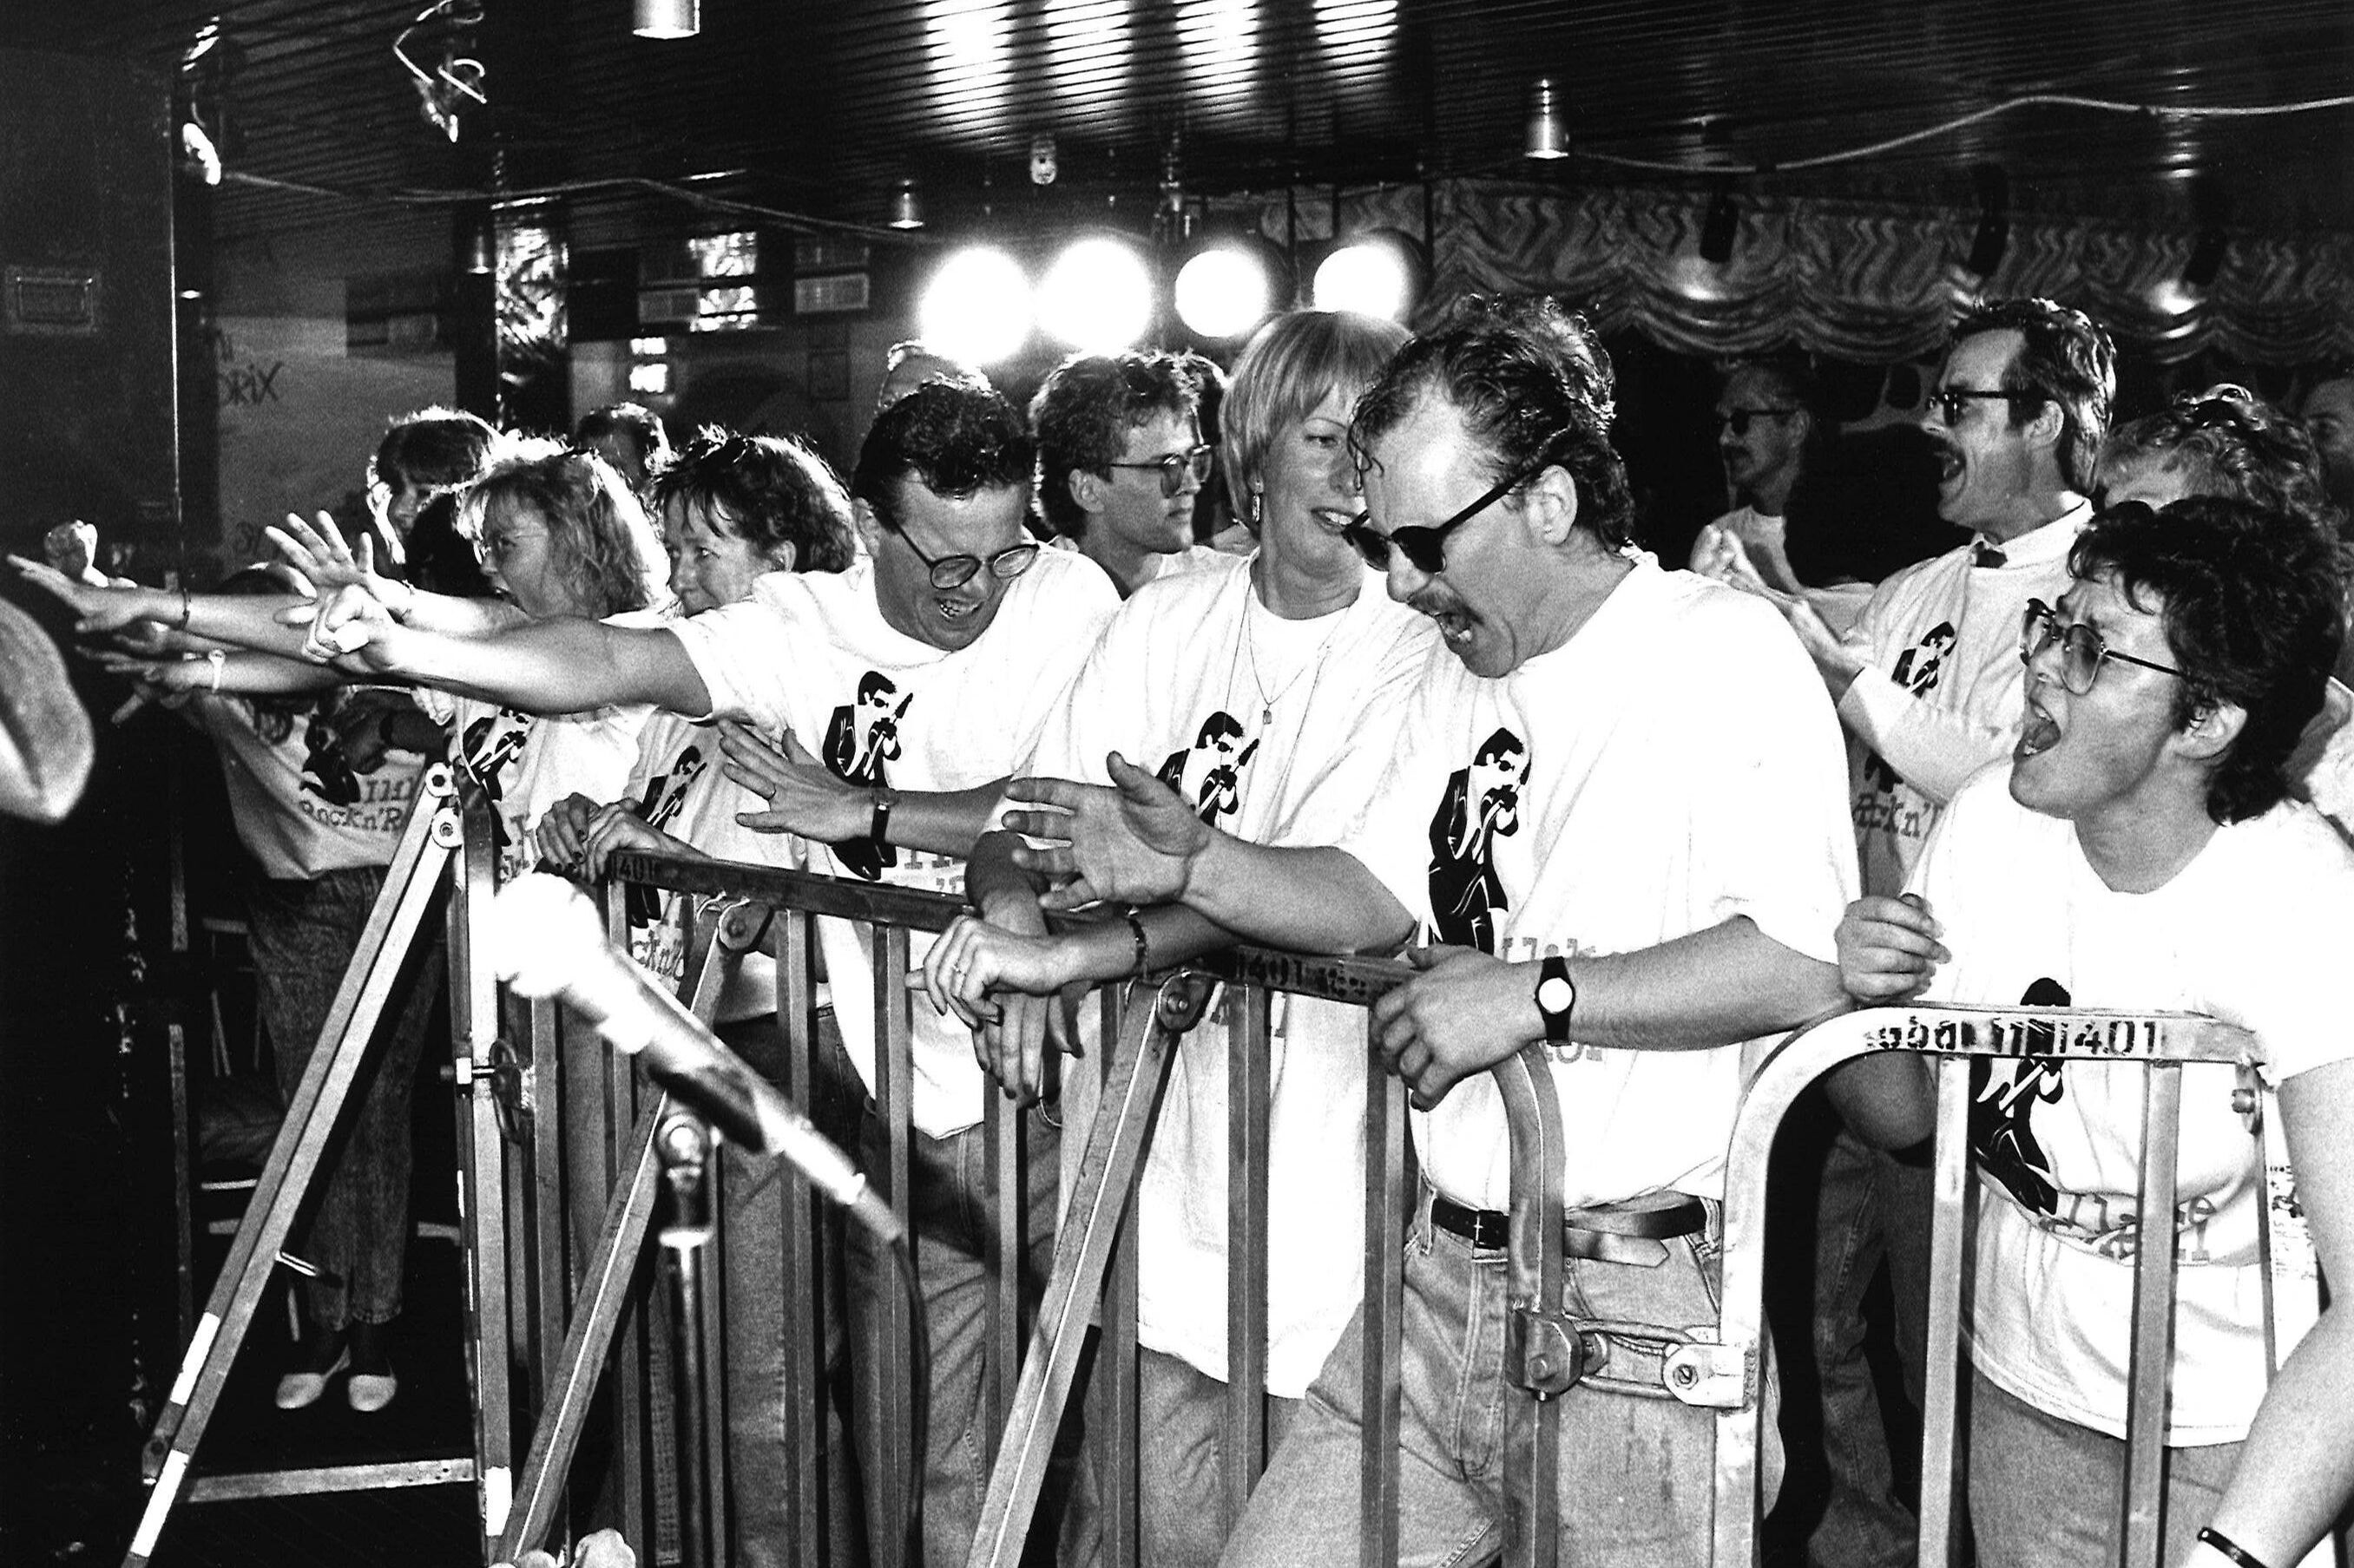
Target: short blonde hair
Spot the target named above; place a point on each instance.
(1294, 362)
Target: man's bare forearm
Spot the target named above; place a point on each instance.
(557, 666)
(1314, 900)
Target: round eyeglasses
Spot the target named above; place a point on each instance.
(1177, 468)
(2082, 652)
(955, 571)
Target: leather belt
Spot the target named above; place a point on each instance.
(1630, 1233)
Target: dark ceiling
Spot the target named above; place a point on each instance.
(817, 107)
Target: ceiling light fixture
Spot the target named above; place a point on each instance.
(668, 18)
(1548, 133)
(1380, 273)
(907, 207)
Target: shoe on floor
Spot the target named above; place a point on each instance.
(299, 1390)
(372, 1383)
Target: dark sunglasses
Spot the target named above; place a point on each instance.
(1175, 468)
(1425, 548)
(1949, 401)
(2082, 651)
(1738, 420)
(955, 571)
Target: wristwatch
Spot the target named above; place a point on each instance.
(1556, 999)
(879, 830)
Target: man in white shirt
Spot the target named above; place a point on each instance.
(1680, 835)
(2138, 852)
(975, 630)
(1121, 459)
(1765, 430)
(1927, 683)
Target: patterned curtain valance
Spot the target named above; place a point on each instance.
(1843, 278)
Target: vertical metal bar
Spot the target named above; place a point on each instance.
(1117, 1414)
(551, 1124)
(2153, 1320)
(895, 1096)
(184, 1197)
(1248, 1091)
(1007, 1253)
(599, 1091)
(1383, 1314)
(805, 1383)
(1949, 1249)
(481, 1160)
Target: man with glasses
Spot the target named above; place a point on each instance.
(1679, 841)
(1121, 459)
(1765, 433)
(959, 633)
(2137, 851)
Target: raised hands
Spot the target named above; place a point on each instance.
(102, 608)
(319, 552)
(804, 796)
(1888, 948)
(1132, 842)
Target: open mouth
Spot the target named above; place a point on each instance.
(957, 609)
(1949, 465)
(1453, 625)
(2039, 732)
(1334, 520)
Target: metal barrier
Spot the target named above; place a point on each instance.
(1094, 1277)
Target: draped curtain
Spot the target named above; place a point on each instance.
(1843, 278)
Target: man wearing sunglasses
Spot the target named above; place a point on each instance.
(2138, 852)
(1765, 430)
(948, 646)
(1678, 834)
(1121, 459)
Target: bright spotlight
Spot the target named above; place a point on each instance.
(1098, 297)
(1223, 292)
(1373, 273)
(977, 306)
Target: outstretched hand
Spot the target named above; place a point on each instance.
(804, 796)
(350, 620)
(319, 552)
(107, 607)
(1134, 841)
(1888, 949)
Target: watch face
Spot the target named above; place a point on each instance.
(1555, 994)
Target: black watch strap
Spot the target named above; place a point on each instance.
(1556, 997)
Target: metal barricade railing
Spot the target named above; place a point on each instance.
(1952, 1037)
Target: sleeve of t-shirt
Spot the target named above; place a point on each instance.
(1773, 832)
(1389, 834)
(1934, 749)
(744, 653)
(1085, 604)
(1968, 835)
(2300, 926)
(1087, 720)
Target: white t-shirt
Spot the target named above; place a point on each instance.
(1176, 563)
(2321, 773)
(1280, 732)
(2256, 931)
(811, 653)
(1765, 538)
(678, 787)
(526, 763)
(298, 806)
(1939, 698)
(1674, 765)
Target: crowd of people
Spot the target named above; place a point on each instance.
(1437, 701)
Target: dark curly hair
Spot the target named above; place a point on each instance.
(610, 555)
(952, 440)
(2065, 359)
(637, 429)
(1532, 383)
(434, 448)
(2228, 441)
(770, 491)
(1085, 411)
(2253, 616)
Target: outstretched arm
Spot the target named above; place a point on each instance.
(558, 666)
(317, 550)
(241, 620)
(1137, 842)
(805, 796)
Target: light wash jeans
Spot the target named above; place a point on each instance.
(1181, 1467)
(302, 934)
(1637, 1472)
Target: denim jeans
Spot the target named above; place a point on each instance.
(302, 934)
(1636, 1473)
(1181, 1467)
(2047, 1493)
(1871, 1207)
(752, 1221)
(953, 1194)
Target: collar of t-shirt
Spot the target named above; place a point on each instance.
(2037, 547)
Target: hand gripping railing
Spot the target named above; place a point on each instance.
(1094, 1254)
(1725, 1376)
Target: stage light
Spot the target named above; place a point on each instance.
(1096, 297)
(977, 306)
(1377, 273)
(668, 18)
(907, 207)
(1225, 290)
(1548, 136)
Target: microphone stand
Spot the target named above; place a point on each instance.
(682, 1143)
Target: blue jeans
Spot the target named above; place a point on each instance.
(302, 934)
(953, 1194)
(1636, 1473)
(1871, 1207)
(1181, 1467)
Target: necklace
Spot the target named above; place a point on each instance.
(1267, 700)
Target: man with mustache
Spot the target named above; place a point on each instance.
(2017, 414)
